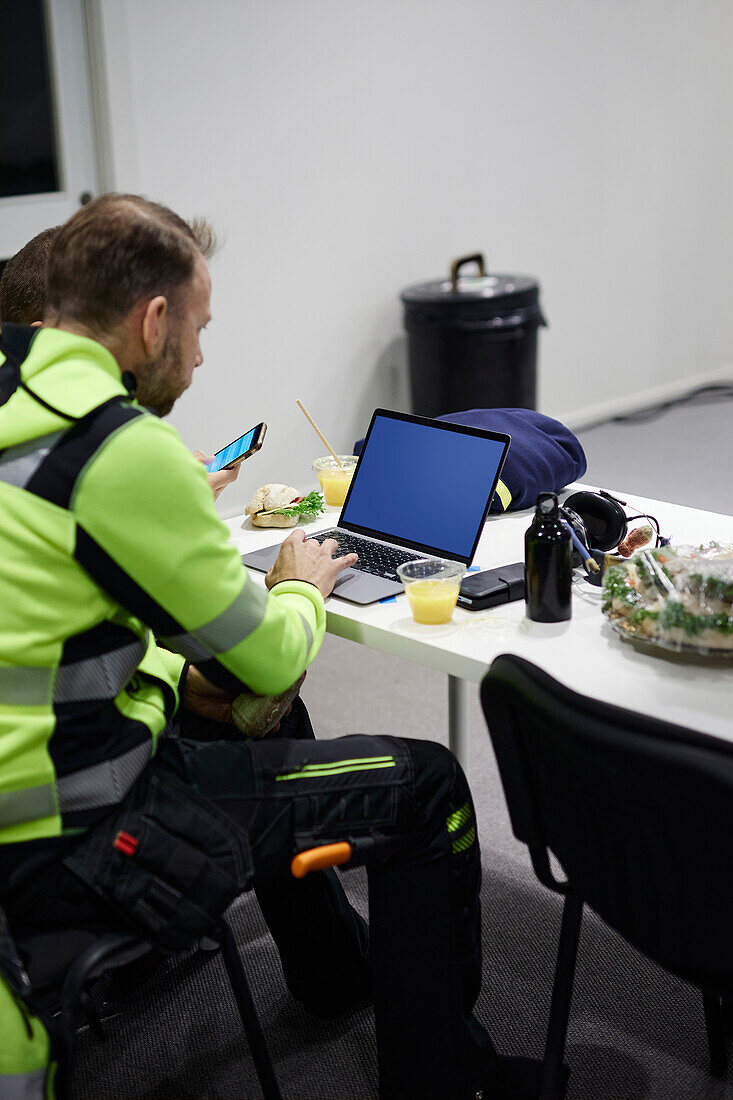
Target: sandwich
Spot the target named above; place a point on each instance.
(277, 505)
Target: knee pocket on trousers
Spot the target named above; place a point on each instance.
(437, 772)
(338, 813)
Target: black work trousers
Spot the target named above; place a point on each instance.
(406, 808)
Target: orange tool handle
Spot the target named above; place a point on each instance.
(315, 859)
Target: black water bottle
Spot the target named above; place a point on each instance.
(548, 566)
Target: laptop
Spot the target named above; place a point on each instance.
(421, 489)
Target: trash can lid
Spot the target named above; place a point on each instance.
(489, 293)
(473, 286)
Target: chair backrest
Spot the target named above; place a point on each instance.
(638, 813)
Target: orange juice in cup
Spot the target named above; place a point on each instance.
(432, 588)
(335, 480)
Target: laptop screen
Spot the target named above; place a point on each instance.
(424, 484)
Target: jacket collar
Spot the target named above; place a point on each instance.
(52, 346)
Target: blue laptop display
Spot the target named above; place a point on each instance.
(420, 485)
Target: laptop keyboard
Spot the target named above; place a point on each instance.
(377, 558)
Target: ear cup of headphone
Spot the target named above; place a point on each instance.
(603, 519)
(578, 526)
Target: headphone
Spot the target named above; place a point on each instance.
(600, 521)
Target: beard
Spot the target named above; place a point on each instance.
(162, 380)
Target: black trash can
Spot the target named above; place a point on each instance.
(472, 341)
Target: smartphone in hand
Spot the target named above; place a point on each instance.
(241, 448)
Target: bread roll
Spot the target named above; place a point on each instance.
(274, 520)
(268, 497)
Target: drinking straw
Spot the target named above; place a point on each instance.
(318, 431)
(589, 562)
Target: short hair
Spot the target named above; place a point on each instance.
(23, 282)
(117, 250)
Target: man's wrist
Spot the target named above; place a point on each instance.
(295, 580)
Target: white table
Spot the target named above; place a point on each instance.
(584, 653)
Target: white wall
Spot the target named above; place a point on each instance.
(347, 148)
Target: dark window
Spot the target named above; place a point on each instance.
(28, 162)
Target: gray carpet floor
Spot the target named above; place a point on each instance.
(684, 456)
(635, 1031)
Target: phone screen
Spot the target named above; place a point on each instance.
(233, 451)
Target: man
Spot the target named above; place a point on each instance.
(23, 281)
(101, 812)
(23, 302)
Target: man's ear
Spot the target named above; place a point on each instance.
(36, 324)
(154, 328)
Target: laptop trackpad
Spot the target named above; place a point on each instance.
(262, 559)
(358, 587)
(343, 578)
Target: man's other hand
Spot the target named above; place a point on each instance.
(204, 698)
(220, 478)
(302, 559)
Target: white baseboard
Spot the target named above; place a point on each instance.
(578, 419)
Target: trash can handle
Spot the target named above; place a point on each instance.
(455, 267)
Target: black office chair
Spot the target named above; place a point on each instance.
(75, 959)
(78, 958)
(638, 813)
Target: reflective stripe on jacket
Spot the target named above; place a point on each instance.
(110, 539)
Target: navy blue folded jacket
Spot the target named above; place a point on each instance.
(543, 455)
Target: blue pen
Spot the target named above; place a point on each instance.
(590, 563)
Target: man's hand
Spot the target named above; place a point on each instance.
(202, 697)
(302, 559)
(220, 478)
(260, 715)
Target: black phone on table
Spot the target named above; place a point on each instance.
(241, 448)
(492, 587)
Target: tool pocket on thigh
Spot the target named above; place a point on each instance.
(354, 783)
(338, 814)
(168, 860)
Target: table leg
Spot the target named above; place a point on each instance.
(458, 719)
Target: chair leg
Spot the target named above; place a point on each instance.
(711, 1004)
(248, 1015)
(562, 994)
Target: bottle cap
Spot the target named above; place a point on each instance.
(547, 504)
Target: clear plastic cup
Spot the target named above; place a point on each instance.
(432, 588)
(335, 480)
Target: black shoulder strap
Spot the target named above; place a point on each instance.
(15, 342)
(17, 339)
(56, 476)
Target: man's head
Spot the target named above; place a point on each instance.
(131, 274)
(23, 282)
